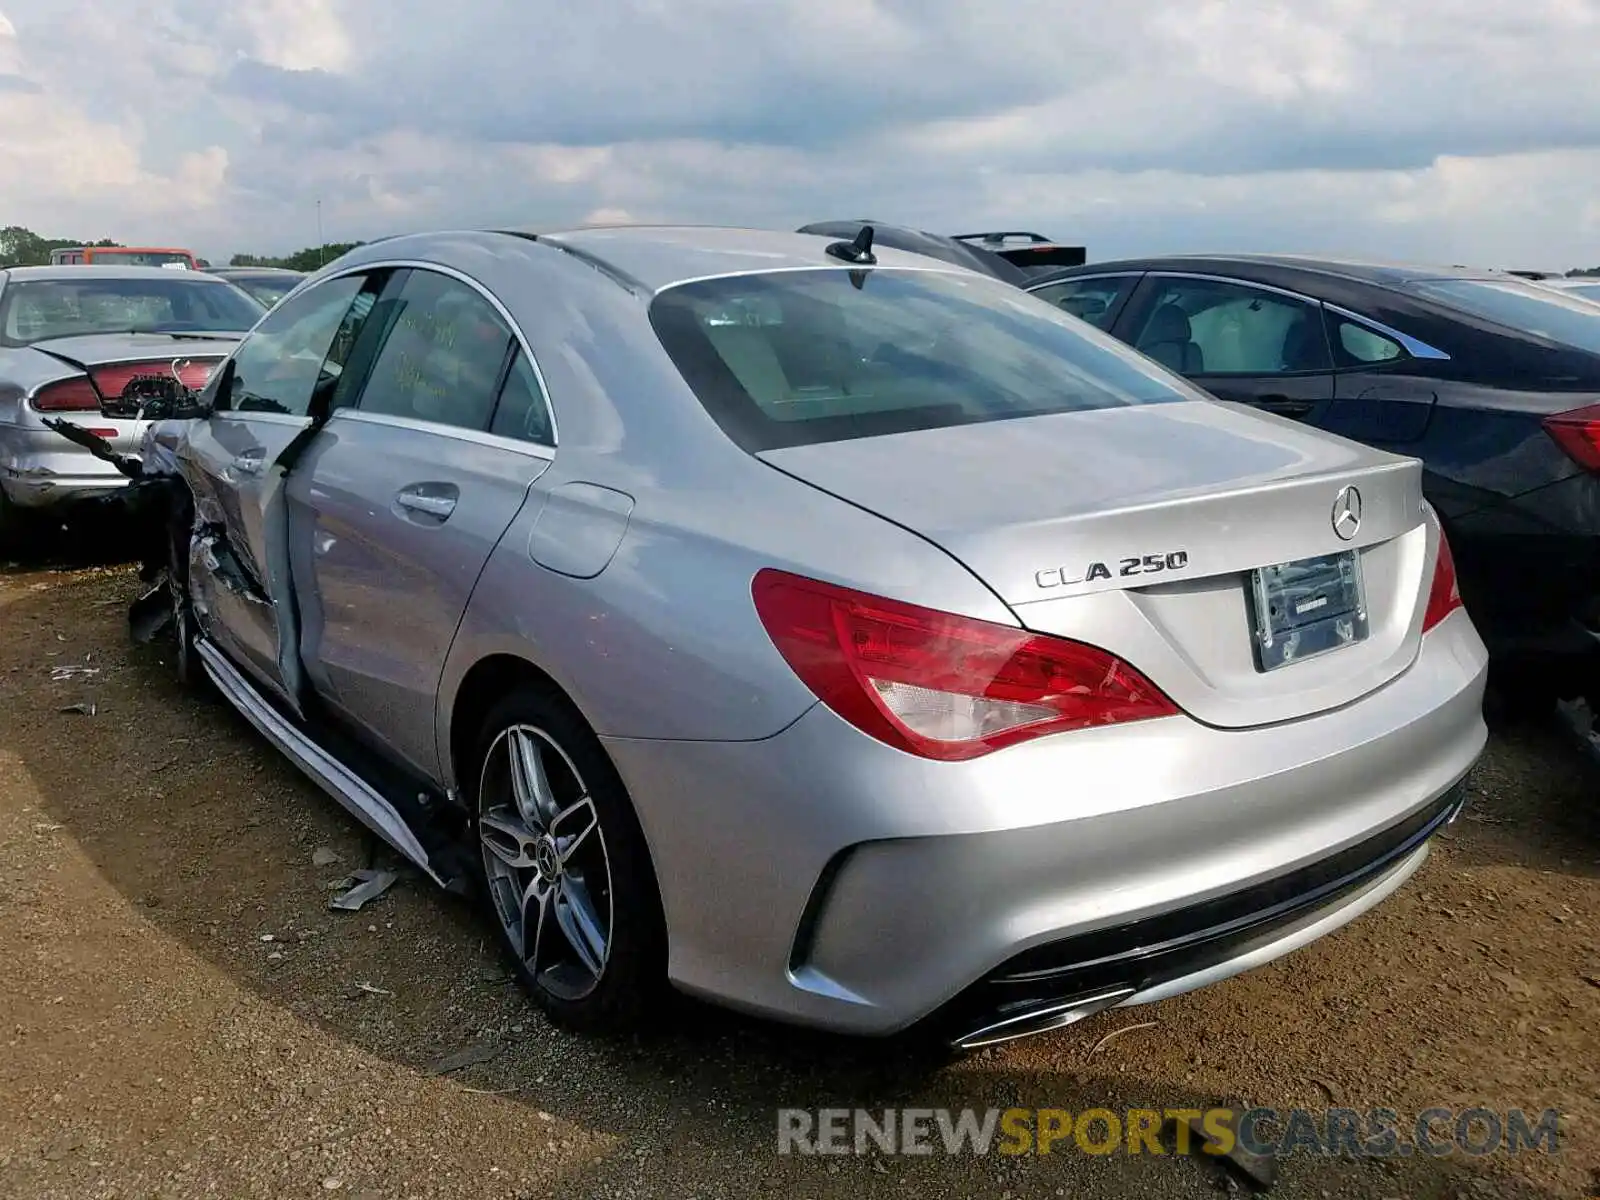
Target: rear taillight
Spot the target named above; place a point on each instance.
(1578, 433)
(1444, 597)
(112, 380)
(68, 395)
(942, 686)
(78, 394)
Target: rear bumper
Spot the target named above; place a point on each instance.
(40, 469)
(1530, 575)
(1166, 955)
(821, 877)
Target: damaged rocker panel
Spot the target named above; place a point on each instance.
(344, 785)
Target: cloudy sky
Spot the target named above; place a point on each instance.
(1448, 130)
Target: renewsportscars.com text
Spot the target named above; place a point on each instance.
(1264, 1132)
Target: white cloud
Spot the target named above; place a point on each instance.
(1465, 130)
(297, 35)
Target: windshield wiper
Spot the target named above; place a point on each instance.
(199, 334)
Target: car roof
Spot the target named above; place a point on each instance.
(1374, 271)
(659, 256)
(96, 271)
(252, 271)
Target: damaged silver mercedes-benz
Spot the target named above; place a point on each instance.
(823, 629)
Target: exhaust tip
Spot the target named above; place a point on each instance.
(1044, 1018)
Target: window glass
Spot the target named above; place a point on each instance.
(1358, 344)
(298, 349)
(268, 289)
(1091, 300)
(798, 357)
(522, 412)
(443, 355)
(34, 310)
(1530, 307)
(1202, 327)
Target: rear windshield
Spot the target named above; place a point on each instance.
(1530, 307)
(37, 309)
(268, 289)
(796, 357)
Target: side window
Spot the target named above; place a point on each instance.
(522, 412)
(1356, 345)
(295, 350)
(443, 357)
(1204, 327)
(1093, 300)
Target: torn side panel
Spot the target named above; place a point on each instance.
(239, 568)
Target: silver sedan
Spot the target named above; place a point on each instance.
(825, 630)
(71, 339)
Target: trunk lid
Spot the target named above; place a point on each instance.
(111, 360)
(1138, 529)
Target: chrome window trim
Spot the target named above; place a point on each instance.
(270, 418)
(477, 437)
(1084, 279)
(1411, 345)
(1244, 283)
(396, 264)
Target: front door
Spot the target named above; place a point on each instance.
(400, 499)
(1254, 345)
(266, 400)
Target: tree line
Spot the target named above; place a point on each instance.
(21, 247)
(308, 259)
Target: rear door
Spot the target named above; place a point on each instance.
(400, 499)
(1383, 394)
(1240, 341)
(267, 398)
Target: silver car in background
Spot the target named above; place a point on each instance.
(830, 631)
(71, 339)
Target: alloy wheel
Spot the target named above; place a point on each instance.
(545, 860)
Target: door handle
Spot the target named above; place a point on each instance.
(1284, 405)
(433, 503)
(248, 463)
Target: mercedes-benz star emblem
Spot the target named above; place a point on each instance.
(547, 859)
(1347, 513)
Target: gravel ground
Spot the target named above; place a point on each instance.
(181, 1014)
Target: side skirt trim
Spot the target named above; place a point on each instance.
(343, 784)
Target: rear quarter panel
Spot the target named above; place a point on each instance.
(664, 642)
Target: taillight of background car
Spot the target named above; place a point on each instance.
(1578, 433)
(77, 394)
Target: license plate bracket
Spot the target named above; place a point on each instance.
(1305, 608)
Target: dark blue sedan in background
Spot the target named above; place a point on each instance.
(1491, 380)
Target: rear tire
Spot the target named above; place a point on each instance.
(19, 529)
(564, 868)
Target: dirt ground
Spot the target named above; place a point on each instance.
(182, 1015)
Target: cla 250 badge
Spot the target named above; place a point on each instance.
(1148, 564)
